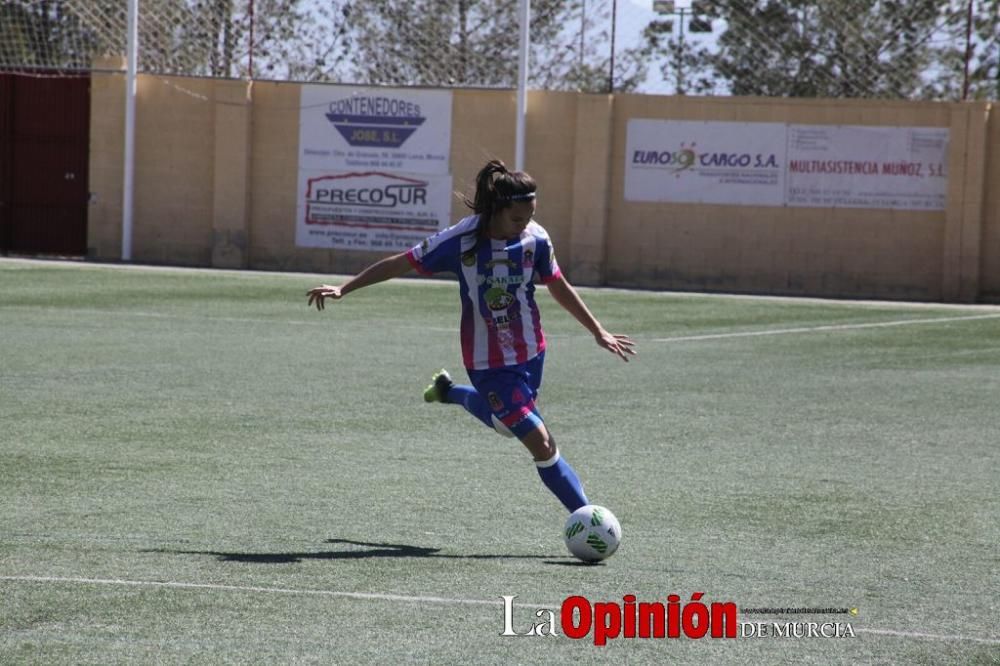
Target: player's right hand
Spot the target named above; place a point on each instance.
(616, 344)
(319, 294)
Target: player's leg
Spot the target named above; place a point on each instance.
(443, 389)
(511, 396)
(469, 398)
(557, 474)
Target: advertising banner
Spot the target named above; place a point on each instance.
(705, 162)
(867, 167)
(370, 210)
(374, 171)
(777, 164)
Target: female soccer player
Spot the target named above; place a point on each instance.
(498, 253)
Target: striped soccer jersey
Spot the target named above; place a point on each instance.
(500, 321)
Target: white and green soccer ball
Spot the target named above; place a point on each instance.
(592, 533)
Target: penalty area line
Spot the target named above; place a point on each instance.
(379, 596)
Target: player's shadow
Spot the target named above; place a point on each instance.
(364, 550)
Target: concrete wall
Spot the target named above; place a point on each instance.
(217, 171)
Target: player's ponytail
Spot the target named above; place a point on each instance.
(496, 189)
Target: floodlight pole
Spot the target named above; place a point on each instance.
(131, 65)
(524, 12)
(968, 52)
(680, 56)
(611, 66)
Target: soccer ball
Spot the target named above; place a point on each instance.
(592, 533)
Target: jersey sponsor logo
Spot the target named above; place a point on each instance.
(496, 404)
(500, 280)
(371, 121)
(500, 322)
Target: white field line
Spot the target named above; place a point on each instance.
(822, 329)
(930, 637)
(97, 312)
(368, 596)
(209, 319)
(680, 338)
(13, 263)
(374, 596)
(237, 320)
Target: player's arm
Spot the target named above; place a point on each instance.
(380, 271)
(566, 296)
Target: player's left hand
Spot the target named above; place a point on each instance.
(617, 344)
(319, 294)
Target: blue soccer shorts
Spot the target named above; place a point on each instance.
(511, 392)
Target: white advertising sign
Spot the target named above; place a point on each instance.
(370, 210)
(374, 170)
(705, 162)
(867, 167)
(776, 164)
(375, 128)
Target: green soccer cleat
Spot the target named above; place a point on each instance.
(440, 385)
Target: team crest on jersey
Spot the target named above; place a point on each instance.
(496, 404)
(529, 259)
(469, 258)
(507, 262)
(498, 298)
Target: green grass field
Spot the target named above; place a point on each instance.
(196, 468)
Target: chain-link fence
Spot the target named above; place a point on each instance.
(920, 49)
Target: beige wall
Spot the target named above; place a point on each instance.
(990, 248)
(174, 157)
(174, 171)
(107, 146)
(814, 251)
(217, 174)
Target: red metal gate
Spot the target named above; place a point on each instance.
(44, 143)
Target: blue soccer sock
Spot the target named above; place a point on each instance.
(468, 397)
(559, 477)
